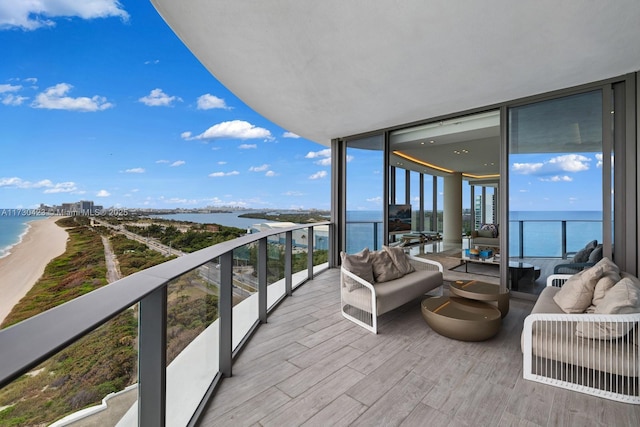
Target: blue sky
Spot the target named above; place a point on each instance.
(101, 101)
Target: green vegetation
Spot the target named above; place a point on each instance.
(186, 236)
(134, 256)
(297, 218)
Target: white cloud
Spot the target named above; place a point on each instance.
(270, 174)
(33, 14)
(323, 156)
(570, 163)
(135, 170)
(599, 158)
(566, 163)
(157, 98)
(4, 88)
(234, 129)
(261, 168)
(557, 178)
(290, 135)
(178, 163)
(318, 175)
(222, 162)
(219, 174)
(162, 161)
(527, 168)
(247, 146)
(208, 102)
(155, 61)
(14, 100)
(103, 193)
(54, 98)
(293, 193)
(315, 154)
(377, 199)
(47, 184)
(323, 162)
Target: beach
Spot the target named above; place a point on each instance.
(25, 265)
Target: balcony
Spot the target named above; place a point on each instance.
(271, 359)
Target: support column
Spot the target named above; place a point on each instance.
(452, 209)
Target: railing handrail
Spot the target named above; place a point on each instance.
(30, 342)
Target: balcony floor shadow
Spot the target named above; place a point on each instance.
(310, 366)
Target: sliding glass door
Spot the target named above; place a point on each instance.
(557, 164)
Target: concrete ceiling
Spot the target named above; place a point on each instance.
(334, 68)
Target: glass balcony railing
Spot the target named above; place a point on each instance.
(551, 238)
(173, 330)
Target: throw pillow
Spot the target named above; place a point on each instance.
(491, 227)
(595, 255)
(358, 264)
(607, 265)
(622, 298)
(603, 285)
(399, 259)
(582, 255)
(576, 294)
(383, 267)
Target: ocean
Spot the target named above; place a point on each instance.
(229, 219)
(12, 230)
(541, 230)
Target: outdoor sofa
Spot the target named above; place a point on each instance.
(374, 283)
(582, 333)
(486, 235)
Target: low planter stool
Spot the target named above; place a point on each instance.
(460, 318)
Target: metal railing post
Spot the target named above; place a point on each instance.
(288, 263)
(521, 239)
(310, 240)
(262, 280)
(226, 313)
(152, 359)
(564, 239)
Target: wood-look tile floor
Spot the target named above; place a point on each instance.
(308, 366)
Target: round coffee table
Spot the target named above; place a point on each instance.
(481, 291)
(460, 318)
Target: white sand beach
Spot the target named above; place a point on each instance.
(25, 265)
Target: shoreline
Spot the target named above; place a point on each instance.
(25, 264)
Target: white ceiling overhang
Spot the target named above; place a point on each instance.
(327, 69)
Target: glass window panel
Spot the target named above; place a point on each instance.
(364, 198)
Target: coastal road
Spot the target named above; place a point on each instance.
(113, 270)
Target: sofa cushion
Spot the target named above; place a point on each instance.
(485, 233)
(399, 259)
(622, 298)
(545, 302)
(393, 294)
(383, 267)
(358, 264)
(576, 293)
